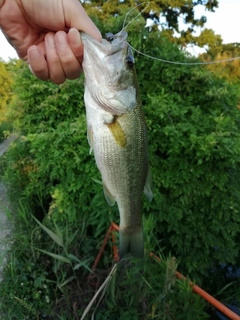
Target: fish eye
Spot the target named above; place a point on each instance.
(130, 61)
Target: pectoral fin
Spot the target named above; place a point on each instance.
(90, 138)
(117, 132)
(108, 196)
(148, 186)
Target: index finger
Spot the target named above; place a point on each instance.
(76, 17)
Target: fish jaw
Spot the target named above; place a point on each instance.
(108, 78)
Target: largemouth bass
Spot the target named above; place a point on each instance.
(117, 133)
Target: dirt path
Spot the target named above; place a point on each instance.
(5, 226)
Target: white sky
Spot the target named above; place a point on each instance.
(6, 50)
(224, 21)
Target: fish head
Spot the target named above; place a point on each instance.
(109, 71)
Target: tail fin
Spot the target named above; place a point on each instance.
(131, 243)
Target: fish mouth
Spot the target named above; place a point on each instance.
(121, 36)
(115, 38)
(108, 69)
(109, 46)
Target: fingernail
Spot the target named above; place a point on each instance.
(34, 53)
(49, 39)
(75, 37)
(61, 38)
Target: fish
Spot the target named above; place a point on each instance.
(117, 133)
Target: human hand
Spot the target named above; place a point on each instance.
(45, 34)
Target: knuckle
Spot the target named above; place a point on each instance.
(67, 58)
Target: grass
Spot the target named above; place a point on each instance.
(5, 128)
(48, 276)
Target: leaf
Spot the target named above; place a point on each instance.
(80, 263)
(71, 238)
(67, 281)
(224, 288)
(55, 256)
(97, 181)
(51, 234)
(71, 256)
(59, 233)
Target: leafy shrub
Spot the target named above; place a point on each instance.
(193, 124)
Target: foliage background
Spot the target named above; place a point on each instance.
(194, 146)
(6, 96)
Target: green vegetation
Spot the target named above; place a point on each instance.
(226, 70)
(194, 145)
(5, 98)
(5, 129)
(48, 275)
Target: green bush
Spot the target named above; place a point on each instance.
(193, 124)
(194, 146)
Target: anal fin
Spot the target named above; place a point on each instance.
(108, 196)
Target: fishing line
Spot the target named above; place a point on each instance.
(145, 8)
(183, 63)
(163, 60)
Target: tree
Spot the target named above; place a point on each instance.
(230, 70)
(165, 14)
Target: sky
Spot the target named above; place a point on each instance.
(224, 21)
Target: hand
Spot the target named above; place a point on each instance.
(45, 34)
